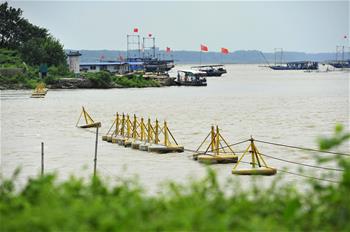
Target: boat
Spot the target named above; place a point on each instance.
(39, 91)
(190, 78)
(298, 65)
(216, 70)
(340, 64)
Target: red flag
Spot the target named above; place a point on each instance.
(168, 49)
(136, 30)
(204, 48)
(149, 35)
(224, 51)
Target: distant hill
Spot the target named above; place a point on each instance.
(193, 57)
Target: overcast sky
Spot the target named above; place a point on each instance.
(307, 26)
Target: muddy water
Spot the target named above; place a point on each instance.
(291, 107)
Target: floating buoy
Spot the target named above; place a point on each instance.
(215, 152)
(39, 91)
(259, 166)
(88, 120)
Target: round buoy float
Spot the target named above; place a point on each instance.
(265, 171)
(222, 158)
(165, 149)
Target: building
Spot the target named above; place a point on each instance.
(74, 62)
(111, 66)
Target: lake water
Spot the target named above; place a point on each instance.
(290, 107)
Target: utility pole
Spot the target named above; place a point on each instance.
(42, 158)
(95, 159)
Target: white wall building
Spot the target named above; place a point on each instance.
(111, 66)
(74, 62)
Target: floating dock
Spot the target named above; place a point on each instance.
(145, 136)
(40, 91)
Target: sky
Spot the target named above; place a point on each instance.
(304, 26)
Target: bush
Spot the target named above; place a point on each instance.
(101, 79)
(135, 81)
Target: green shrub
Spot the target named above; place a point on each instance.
(135, 81)
(101, 79)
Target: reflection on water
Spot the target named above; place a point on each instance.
(291, 107)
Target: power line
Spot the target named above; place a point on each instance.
(302, 148)
(302, 164)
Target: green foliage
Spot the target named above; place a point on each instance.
(10, 58)
(75, 205)
(101, 79)
(15, 29)
(35, 45)
(135, 81)
(43, 51)
(19, 81)
(339, 137)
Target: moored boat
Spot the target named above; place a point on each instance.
(190, 78)
(216, 70)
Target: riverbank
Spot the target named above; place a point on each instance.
(88, 82)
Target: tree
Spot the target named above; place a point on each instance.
(37, 51)
(16, 30)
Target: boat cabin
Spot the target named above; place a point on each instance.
(215, 70)
(191, 78)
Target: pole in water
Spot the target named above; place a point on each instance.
(42, 158)
(95, 159)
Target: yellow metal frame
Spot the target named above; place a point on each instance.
(215, 146)
(256, 157)
(87, 117)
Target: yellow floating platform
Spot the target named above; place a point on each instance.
(165, 149)
(109, 138)
(121, 140)
(136, 144)
(38, 95)
(256, 171)
(128, 142)
(213, 159)
(144, 146)
(96, 124)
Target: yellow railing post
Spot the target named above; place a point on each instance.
(166, 136)
(84, 112)
(212, 141)
(134, 128)
(122, 130)
(149, 131)
(142, 130)
(128, 126)
(217, 142)
(117, 124)
(252, 151)
(156, 132)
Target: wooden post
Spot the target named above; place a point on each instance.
(95, 159)
(42, 158)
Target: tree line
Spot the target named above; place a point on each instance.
(34, 44)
